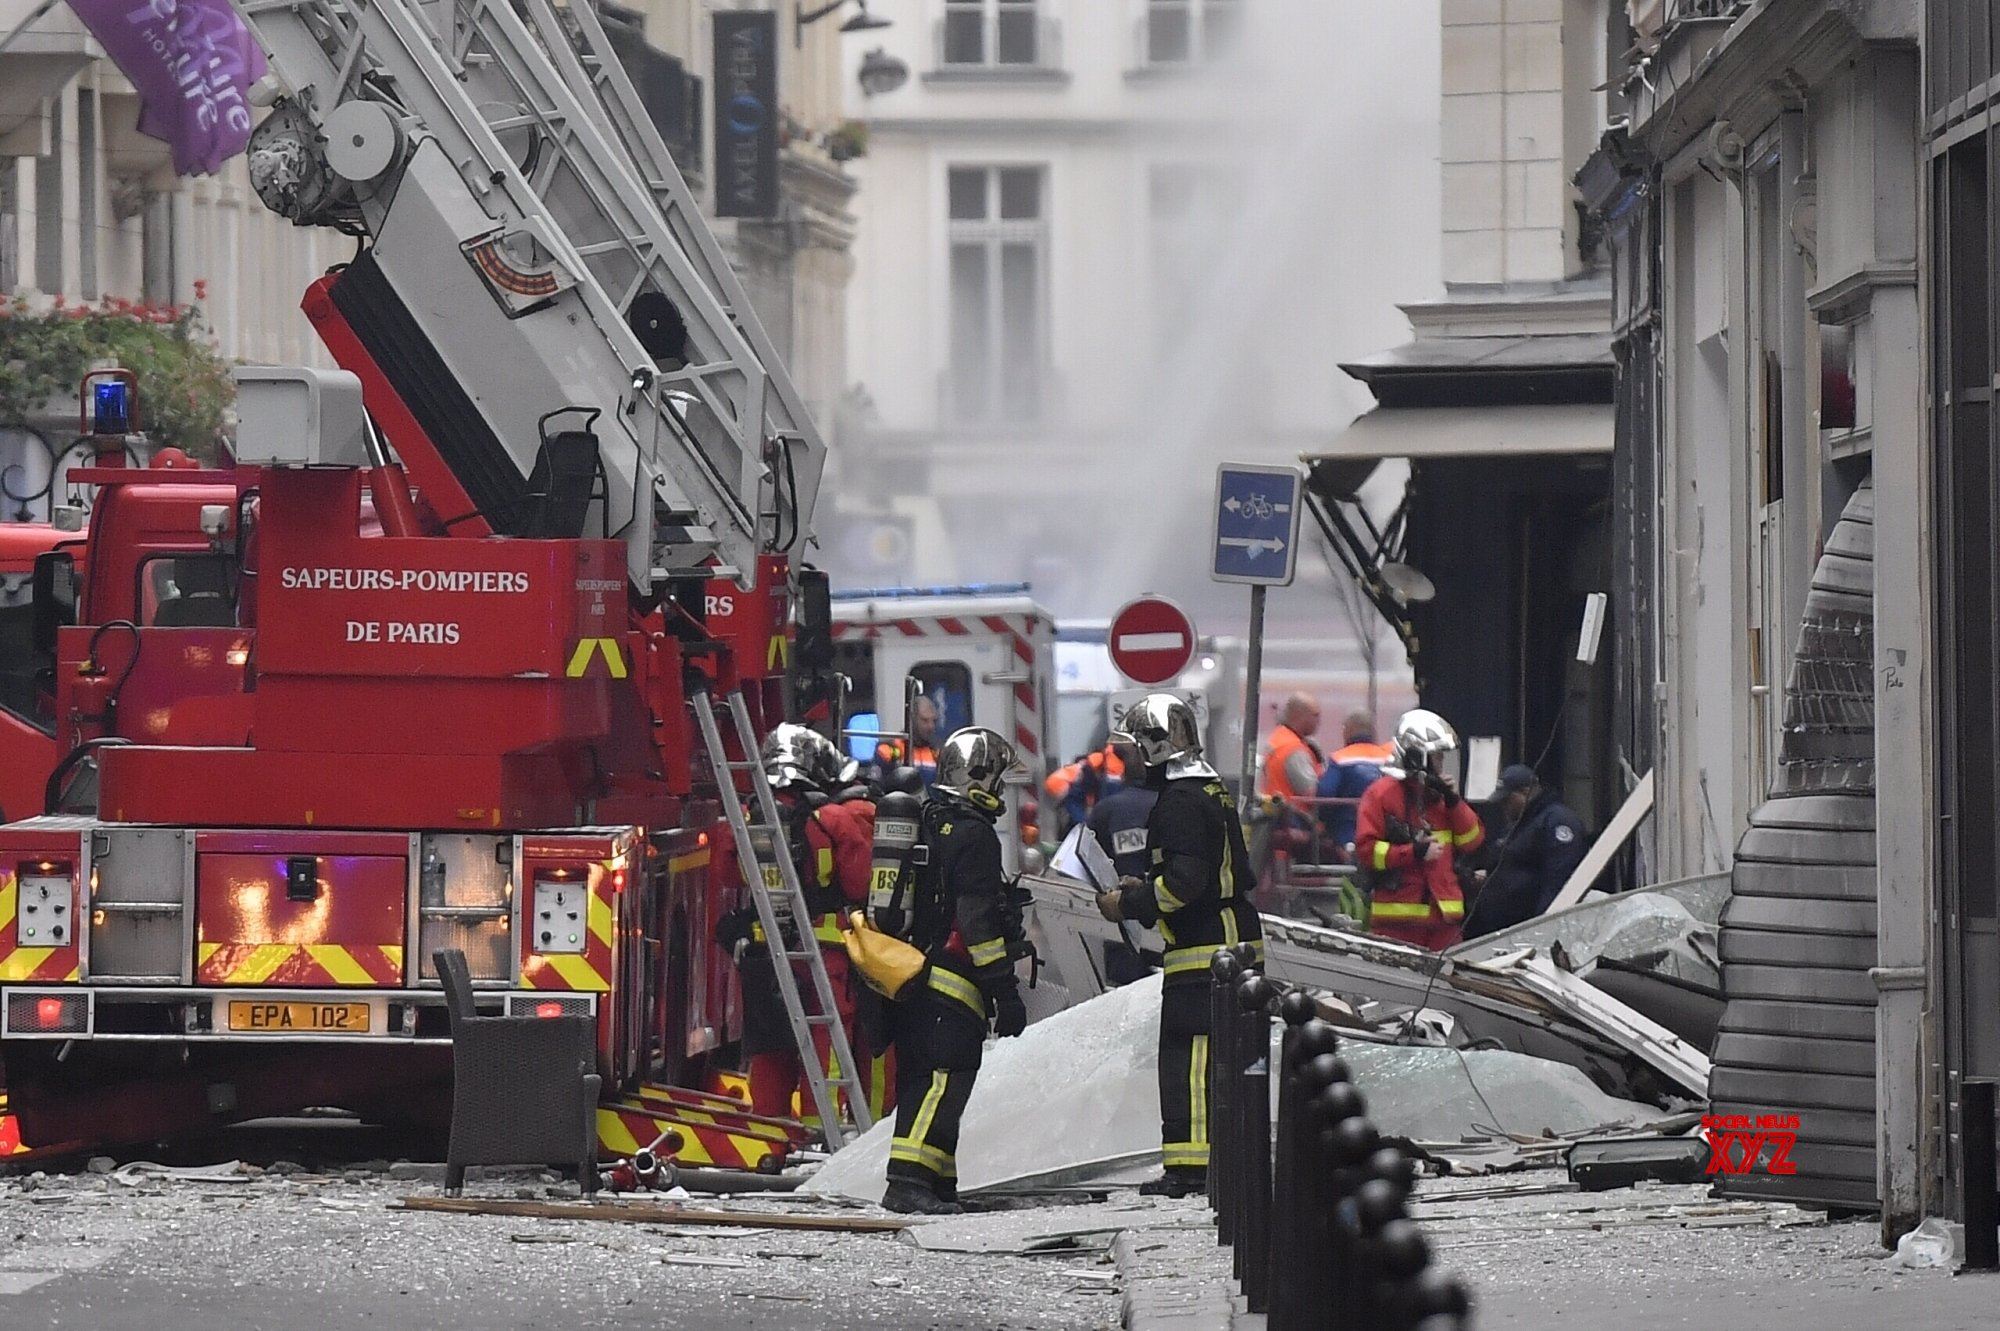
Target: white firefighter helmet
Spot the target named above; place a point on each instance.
(797, 757)
(1163, 728)
(1424, 742)
(973, 765)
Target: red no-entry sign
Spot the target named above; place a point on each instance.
(1151, 640)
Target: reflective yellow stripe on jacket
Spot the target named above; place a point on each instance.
(1416, 910)
(826, 928)
(990, 953)
(953, 985)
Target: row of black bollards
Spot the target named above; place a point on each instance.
(1319, 1226)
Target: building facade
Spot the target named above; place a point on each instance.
(1106, 244)
(1501, 403)
(1773, 487)
(90, 208)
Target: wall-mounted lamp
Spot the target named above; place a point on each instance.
(802, 18)
(882, 72)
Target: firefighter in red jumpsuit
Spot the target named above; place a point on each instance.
(1411, 824)
(831, 829)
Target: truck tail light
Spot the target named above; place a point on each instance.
(44, 1013)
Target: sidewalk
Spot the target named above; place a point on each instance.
(1651, 1258)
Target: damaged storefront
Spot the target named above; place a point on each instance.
(1761, 207)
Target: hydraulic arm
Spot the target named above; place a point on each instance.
(535, 257)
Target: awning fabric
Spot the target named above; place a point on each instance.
(1447, 432)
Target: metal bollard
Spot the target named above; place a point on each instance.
(1982, 1207)
(1333, 1111)
(1439, 1303)
(1287, 1164)
(1388, 1249)
(1353, 1143)
(1254, 996)
(1224, 970)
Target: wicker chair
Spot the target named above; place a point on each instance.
(524, 1089)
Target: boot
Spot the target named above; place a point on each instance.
(910, 1198)
(1176, 1183)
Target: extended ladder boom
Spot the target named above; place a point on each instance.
(534, 249)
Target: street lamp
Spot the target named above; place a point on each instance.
(803, 19)
(882, 72)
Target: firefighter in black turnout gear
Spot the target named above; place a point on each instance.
(1196, 893)
(959, 915)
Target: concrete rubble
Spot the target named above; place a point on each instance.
(1074, 1099)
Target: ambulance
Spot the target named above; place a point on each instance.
(983, 654)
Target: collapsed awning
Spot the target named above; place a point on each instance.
(1447, 432)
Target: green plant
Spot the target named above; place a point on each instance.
(184, 384)
(848, 142)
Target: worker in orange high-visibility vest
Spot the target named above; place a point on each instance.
(1411, 825)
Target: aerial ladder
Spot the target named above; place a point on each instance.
(466, 129)
(533, 252)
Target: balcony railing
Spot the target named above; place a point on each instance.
(1008, 44)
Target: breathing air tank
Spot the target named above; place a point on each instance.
(898, 827)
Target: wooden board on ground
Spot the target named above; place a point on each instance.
(619, 1213)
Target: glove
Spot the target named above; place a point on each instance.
(1010, 1014)
(1111, 906)
(1443, 789)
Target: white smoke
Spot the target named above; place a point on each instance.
(1324, 119)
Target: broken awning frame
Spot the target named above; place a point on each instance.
(1519, 997)
(1429, 434)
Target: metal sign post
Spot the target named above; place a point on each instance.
(1256, 542)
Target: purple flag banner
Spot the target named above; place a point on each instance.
(193, 62)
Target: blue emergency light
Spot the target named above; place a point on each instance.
(111, 407)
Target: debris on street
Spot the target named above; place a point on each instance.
(1517, 997)
(622, 1213)
(1091, 1069)
(1429, 1093)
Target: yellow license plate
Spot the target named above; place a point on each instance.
(266, 1018)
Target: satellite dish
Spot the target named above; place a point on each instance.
(1408, 585)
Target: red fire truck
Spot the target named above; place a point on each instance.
(415, 673)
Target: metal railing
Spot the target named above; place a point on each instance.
(1318, 1222)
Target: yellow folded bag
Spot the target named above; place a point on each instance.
(886, 963)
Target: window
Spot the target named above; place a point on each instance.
(997, 242)
(948, 684)
(1178, 32)
(187, 591)
(991, 32)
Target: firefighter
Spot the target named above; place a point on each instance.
(1411, 825)
(920, 750)
(959, 918)
(1078, 786)
(1196, 893)
(831, 843)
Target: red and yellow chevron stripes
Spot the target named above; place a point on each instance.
(30, 965)
(590, 970)
(630, 1124)
(314, 965)
(10, 1131)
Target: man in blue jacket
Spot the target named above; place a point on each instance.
(1544, 844)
